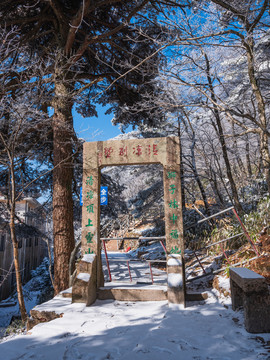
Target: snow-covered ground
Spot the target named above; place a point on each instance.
(139, 330)
(31, 291)
(143, 330)
(6, 313)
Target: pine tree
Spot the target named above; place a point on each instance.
(90, 46)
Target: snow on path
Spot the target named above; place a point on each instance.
(139, 269)
(138, 331)
(134, 331)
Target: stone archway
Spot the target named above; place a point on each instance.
(164, 151)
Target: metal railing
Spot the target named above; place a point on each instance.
(245, 232)
(161, 238)
(139, 238)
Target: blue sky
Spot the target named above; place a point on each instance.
(95, 128)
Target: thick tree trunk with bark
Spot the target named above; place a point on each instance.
(62, 185)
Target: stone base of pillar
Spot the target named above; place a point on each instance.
(84, 289)
(176, 280)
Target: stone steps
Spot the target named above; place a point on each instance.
(142, 293)
(133, 293)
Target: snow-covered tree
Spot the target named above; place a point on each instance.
(23, 136)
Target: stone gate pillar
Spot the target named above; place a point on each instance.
(91, 209)
(174, 223)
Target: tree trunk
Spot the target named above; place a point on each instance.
(214, 185)
(18, 274)
(220, 173)
(238, 157)
(219, 130)
(46, 240)
(194, 166)
(211, 176)
(249, 169)
(72, 261)
(265, 157)
(15, 247)
(196, 175)
(62, 185)
(261, 110)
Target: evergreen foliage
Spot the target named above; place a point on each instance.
(41, 276)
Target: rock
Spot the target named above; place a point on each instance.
(38, 317)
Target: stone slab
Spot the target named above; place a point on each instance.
(132, 285)
(246, 273)
(196, 296)
(175, 296)
(248, 280)
(131, 294)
